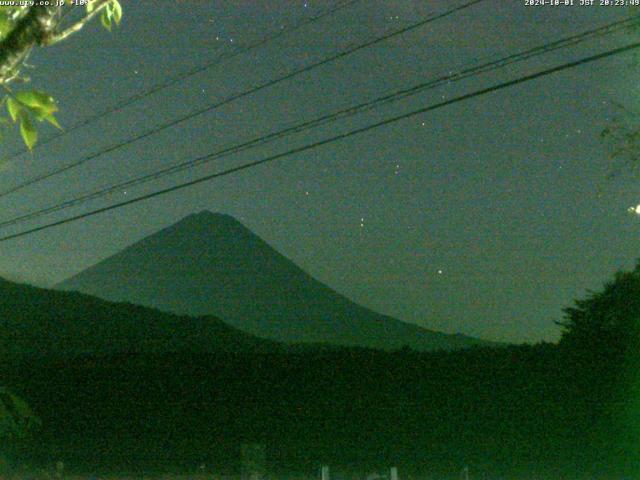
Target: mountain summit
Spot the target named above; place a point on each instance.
(211, 264)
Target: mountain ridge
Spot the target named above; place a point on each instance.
(209, 263)
(41, 322)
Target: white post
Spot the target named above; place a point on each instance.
(325, 472)
(394, 473)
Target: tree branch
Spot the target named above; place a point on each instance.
(33, 29)
(79, 25)
(19, 13)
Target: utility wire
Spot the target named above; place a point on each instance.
(388, 121)
(238, 96)
(190, 73)
(329, 118)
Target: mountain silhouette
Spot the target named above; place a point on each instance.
(39, 322)
(210, 264)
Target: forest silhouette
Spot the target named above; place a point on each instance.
(553, 410)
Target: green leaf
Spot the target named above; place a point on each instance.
(27, 130)
(39, 115)
(53, 121)
(105, 19)
(14, 108)
(37, 100)
(6, 25)
(117, 11)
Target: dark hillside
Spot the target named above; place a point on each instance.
(35, 321)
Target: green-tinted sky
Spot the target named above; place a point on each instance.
(482, 218)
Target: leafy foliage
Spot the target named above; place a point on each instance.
(8, 17)
(25, 108)
(602, 340)
(608, 320)
(111, 13)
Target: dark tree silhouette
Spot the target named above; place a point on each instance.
(606, 322)
(601, 340)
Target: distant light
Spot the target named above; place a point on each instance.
(439, 272)
(635, 210)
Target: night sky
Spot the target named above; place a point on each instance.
(485, 218)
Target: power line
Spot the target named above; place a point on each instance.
(330, 118)
(238, 96)
(333, 139)
(190, 73)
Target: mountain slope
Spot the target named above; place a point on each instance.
(35, 321)
(211, 264)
